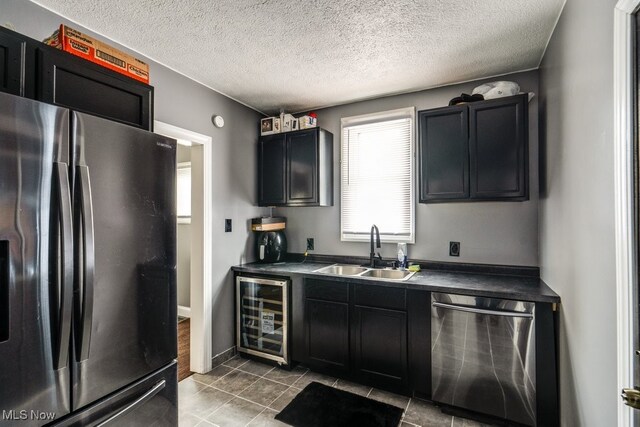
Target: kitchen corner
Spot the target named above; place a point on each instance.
(341, 323)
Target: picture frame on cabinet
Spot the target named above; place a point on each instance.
(270, 125)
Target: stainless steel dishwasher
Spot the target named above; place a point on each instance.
(483, 355)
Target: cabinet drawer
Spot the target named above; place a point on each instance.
(326, 290)
(380, 296)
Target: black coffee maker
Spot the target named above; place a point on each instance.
(271, 242)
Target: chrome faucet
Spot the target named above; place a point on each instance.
(372, 255)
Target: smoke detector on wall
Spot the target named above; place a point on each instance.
(218, 121)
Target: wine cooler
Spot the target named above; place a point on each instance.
(262, 313)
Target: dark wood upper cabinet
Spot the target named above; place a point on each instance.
(477, 151)
(271, 170)
(296, 168)
(302, 167)
(34, 70)
(498, 148)
(444, 153)
(75, 83)
(11, 64)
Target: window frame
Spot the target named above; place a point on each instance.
(400, 113)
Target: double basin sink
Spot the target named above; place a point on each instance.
(366, 272)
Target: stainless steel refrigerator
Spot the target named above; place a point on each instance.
(87, 270)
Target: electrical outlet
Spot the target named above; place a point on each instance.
(454, 248)
(227, 225)
(309, 243)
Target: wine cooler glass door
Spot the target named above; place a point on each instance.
(262, 318)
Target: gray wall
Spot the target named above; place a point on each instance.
(576, 207)
(183, 267)
(489, 232)
(182, 102)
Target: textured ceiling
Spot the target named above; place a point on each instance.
(298, 55)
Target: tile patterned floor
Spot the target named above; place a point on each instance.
(243, 392)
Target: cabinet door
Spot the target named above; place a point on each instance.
(10, 64)
(444, 154)
(419, 333)
(302, 168)
(327, 334)
(380, 346)
(78, 84)
(498, 148)
(271, 170)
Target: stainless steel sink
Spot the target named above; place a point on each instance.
(342, 270)
(369, 273)
(388, 274)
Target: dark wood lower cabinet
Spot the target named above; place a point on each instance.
(419, 322)
(355, 331)
(379, 346)
(327, 335)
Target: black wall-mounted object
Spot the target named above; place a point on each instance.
(475, 152)
(34, 70)
(296, 168)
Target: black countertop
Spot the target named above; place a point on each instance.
(490, 285)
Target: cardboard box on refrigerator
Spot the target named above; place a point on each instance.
(86, 47)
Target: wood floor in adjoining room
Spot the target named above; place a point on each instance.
(184, 345)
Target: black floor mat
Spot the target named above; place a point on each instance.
(322, 406)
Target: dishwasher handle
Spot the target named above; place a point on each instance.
(503, 313)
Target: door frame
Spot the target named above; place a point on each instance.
(626, 265)
(201, 296)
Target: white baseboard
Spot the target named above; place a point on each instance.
(184, 311)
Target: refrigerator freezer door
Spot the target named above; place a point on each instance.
(152, 401)
(35, 261)
(125, 216)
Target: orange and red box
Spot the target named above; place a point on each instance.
(86, 47)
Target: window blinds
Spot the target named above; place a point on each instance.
(377, 177)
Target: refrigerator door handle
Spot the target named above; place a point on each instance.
(86, 276)
(64, 281)
(135, 404)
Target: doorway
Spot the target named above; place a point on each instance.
(185, 185)
(194, 245)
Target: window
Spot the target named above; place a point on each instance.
(377, 176)
(184, 193)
